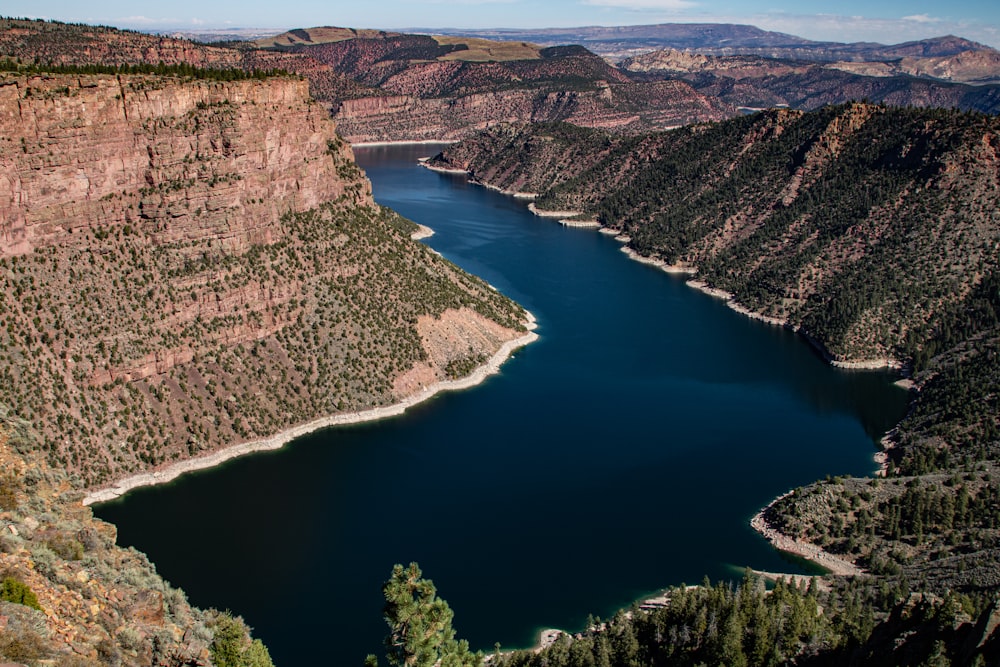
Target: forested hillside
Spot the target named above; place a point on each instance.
(874, 231)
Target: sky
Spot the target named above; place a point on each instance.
(885, 21)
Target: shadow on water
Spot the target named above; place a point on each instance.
(623, 452)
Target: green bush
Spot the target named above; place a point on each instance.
(232, 646)
(18, 592)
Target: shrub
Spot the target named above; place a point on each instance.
(9, 486)
(18, 592)
(25, 646)
(232, 646)
(66, 547)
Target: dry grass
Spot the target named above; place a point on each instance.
(322, 35)
(487, 50)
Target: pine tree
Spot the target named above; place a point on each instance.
(420, 631)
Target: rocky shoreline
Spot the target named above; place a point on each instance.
(278, 440)
(835, 564)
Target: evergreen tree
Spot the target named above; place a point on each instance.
(420, 631)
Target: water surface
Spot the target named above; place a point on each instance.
(623, 452)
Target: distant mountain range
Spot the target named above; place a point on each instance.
(724, 39)
(441, 85)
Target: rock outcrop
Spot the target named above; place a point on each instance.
(756, 81)
(173, 161)
(621, 107)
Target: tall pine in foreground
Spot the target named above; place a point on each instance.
(420, 631)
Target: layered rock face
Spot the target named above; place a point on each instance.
(170, 246)
(759, 82)
(173, 162)
(622, 107)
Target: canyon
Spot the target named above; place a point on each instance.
(188, 263)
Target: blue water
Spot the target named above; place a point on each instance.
(623, 452)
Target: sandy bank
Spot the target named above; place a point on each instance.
(581, 224)
(658, 263)
(728, 297)
(445, 170)
(552, 214)
(441, 170)
(835, 564)
(402, 142)
(510, 193)
(278, 440)
(423, 232)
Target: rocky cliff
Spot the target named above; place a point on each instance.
(445, 88)
(620, 107)
(169, 246)
(174, 161)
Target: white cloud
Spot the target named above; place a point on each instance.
(922, 18)
(144, 20)
(643, 5)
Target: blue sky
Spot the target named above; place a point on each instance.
(886, 21)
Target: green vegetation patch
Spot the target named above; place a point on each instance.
(18, 592)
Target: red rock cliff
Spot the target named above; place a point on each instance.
(184, 160)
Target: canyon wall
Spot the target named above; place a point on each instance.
(201, 160)
(169, 246)
(620, 107)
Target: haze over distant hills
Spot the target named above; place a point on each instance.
(723, 39)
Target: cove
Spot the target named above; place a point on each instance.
(624, 451)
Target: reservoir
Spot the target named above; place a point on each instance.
(623, 452)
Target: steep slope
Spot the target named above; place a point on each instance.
(95, 603)
(171, 246)
(871, 229)
(444, 90)
(979, 66)
(387, 86)
(54, 43)
(759, 82)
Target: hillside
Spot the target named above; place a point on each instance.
(443, 88)
(872, 230)
(167, 245)
(759, 82)
(172, 240)
(84, 601)
(384, 86)
(388, 86)
(319, 35)
(51, 42)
